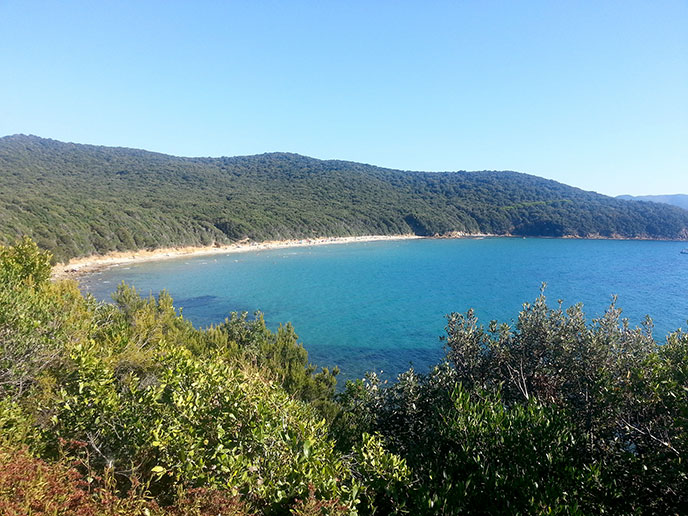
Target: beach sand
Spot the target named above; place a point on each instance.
(80, 266)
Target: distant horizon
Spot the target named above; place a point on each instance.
(327, 159)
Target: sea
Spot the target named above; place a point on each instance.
(381, 306)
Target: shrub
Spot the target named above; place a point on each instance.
(553, 415)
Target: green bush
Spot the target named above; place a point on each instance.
(554, 415)
(235, 409)
(36, 317)
(200, 423)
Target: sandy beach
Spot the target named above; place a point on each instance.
(80, 266)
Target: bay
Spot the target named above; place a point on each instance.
(380, 306)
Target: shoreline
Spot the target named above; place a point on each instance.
(78, 267)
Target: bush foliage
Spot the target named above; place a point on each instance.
(554, 415)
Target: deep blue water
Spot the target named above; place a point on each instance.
(381, 305)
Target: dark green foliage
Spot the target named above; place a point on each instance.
(493, 459)
(79, 199)
(553, 416)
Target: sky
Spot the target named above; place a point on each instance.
(590, 93)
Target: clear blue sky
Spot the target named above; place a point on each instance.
(593, 94)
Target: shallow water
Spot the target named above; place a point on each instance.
(381, 305)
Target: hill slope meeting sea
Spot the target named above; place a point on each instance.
(77, 200)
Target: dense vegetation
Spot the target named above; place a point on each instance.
(126, 409)
(132, 394)
(79, 199)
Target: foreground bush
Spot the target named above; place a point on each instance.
(156, 402)
(554, 415)
(199, 423)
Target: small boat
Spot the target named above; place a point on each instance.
(684, 251)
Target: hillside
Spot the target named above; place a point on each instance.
(81, 199)
(680, 200)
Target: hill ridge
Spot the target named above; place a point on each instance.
(77, 200)
(680, 200)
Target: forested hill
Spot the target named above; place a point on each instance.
(81, 199)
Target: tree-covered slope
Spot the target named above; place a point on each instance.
(81, 199)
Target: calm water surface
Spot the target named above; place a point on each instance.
(381, 305)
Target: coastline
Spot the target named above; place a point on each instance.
(77, 267)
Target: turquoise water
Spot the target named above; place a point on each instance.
(381, 305)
